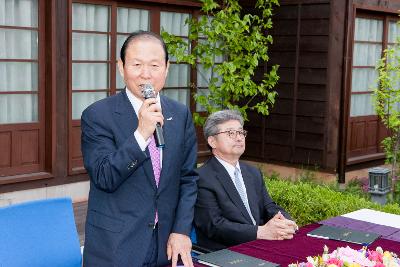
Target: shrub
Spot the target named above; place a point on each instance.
(309, 203)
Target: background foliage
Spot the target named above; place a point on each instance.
(387, 106)
(309, 203)
(242, 41)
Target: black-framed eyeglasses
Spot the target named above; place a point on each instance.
(234, 133)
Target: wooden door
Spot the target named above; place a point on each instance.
(365, 134)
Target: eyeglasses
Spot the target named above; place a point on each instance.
(234, 133)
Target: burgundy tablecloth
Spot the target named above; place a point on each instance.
(297, 249)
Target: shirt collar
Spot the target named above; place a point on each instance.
(229, 167)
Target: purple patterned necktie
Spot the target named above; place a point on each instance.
(155, 161)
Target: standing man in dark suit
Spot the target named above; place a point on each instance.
(233, 206)
(141, 200)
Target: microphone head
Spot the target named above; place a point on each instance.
(148, 91)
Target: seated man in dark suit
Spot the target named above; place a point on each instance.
(233, 206)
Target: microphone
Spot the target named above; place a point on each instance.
(148, 92)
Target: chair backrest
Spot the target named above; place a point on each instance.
(196, 249)
(193, 235)
(39, 233)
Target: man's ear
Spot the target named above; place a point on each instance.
(211, 142)
(121, 68)
(166, 70)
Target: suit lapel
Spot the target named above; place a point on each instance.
(227, 183)
(126, 118)
(168, 131)
(251, 192)
(125, 115)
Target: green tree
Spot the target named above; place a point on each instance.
(387, 106)
(229, 46)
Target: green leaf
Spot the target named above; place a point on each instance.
(240, 39)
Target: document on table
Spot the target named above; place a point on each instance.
(377, 217)
(343, 234)
(229, 258)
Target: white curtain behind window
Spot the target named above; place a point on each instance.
(366, 53)
(180, 95)
(129, 20)
(22, 13)
(85, 76)
(394, 31)
(179, 74)
(90, 17)
(88, 46)
(16, 43)
(81, 100)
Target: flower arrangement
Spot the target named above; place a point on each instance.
(348, 257)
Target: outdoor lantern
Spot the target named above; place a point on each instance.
(378, 179)
(378, 184)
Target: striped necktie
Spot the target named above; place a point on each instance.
(242, 193)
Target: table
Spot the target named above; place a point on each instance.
(297, 249)
(385, 224)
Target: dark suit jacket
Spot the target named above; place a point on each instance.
(123, 196)
(221, 218)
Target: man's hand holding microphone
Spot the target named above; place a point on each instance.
(150, 118)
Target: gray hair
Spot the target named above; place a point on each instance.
(211, 126)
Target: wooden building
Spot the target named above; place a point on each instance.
(59, 56)
(327, 51)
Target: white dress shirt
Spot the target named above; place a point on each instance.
(231, 170)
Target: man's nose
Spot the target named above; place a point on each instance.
(239, 136)
(145, 72)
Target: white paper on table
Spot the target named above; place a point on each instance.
(377, 217)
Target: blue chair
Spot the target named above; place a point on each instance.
(39, 234)
(196, 249)
(193, 235)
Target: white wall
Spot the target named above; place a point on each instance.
(77, 191)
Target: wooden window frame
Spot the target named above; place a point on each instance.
(386, 18)
(42, 169)
(75, 162)
(368, 153)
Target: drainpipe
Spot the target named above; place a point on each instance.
(344, 98)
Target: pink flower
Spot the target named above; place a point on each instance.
(335, 261)
(350, 255)
(375, 256)
(346, 256)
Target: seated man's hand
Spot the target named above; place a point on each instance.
(179, 244)
(278, 228)
(289, 223)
